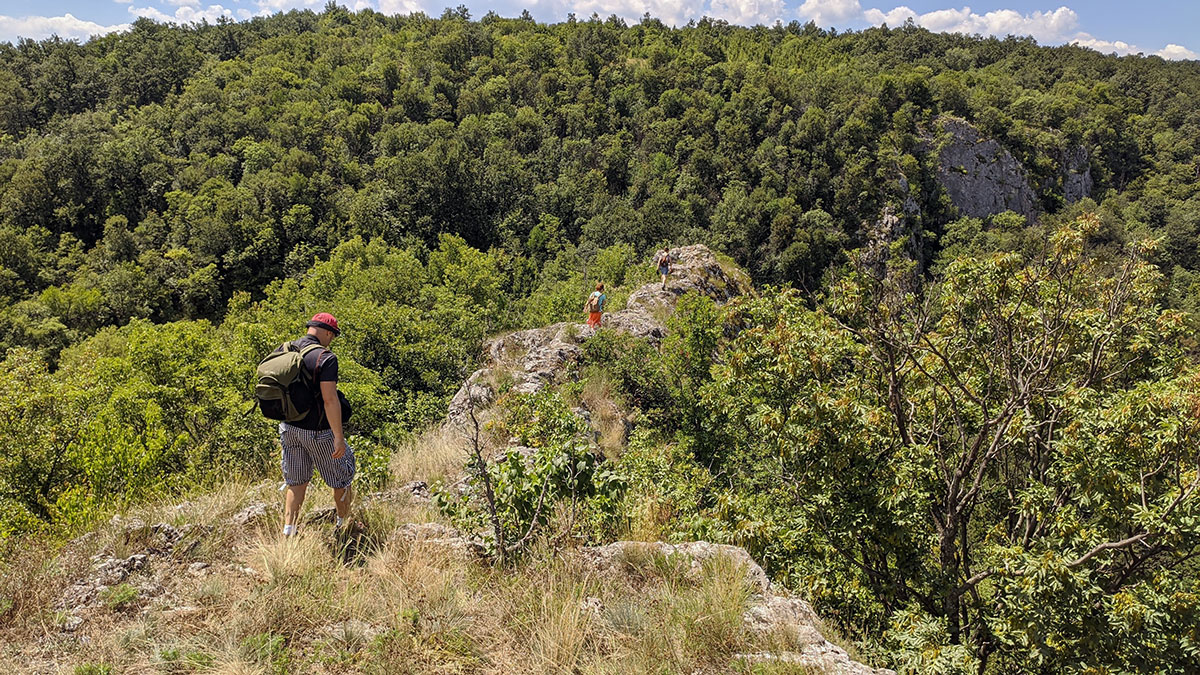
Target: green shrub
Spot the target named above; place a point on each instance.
(564, 467)
(119, 597)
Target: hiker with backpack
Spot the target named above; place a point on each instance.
(595, 306)
(663, 261)
(297, 385)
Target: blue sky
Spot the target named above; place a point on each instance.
(1166, 28)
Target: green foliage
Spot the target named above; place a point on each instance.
(559, 467)
(970, 441)
(267, 649)
(635, 367)
(371, 463)
(1002, 458)
(155, 173)
(119, 597)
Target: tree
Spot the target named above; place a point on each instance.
(1017, 429)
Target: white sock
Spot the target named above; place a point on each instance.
(289, 530)
(339, 521)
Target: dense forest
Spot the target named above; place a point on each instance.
(971, 440)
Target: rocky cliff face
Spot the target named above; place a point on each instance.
(983, 179)
(1077, 174)
(538, 357)
(980, 176)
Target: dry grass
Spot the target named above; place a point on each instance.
(649, 518)
(609, 419)
(437, 454)
(416, 607)
(371, 601)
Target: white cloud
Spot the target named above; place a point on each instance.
(1176, 52)
(1052, 26)
(747, 12)
(671, 12)
(39, 27)
(183, 14)
(1105, 46)
(1058, 26)
(272, 6)
(400, 6)
(829, 12)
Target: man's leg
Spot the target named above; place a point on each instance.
(341, 501)
(337, 473)
(291, 510)
(297, 470)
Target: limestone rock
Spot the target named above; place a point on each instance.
(771, 611)
(610, 558)
(532, 359)
(250, 514)
(980, 176)
(441, 537)
(1077, 174)
(418, 490)
(326, 514)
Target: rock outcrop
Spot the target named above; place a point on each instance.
(538, 357)
(145, 544)
(980, 176)
(771, 611)
(1077, 174)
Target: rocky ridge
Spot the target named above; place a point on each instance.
(538, 357)
(152, 559)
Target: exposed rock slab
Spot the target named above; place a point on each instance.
(981, 177)
(1077, 174)
(770, 611)
(532, 359)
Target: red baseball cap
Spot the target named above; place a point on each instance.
(324, 320)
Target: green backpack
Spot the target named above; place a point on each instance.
(276, 376)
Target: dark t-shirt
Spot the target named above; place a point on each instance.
(325, 364)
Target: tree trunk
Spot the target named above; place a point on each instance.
(948, 552)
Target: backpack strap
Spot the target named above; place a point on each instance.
(305, 352)
(316, 387)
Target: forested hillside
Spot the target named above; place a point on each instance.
(966, 431)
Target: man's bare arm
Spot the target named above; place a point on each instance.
(333, 413)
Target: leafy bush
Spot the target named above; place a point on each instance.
(560, 467)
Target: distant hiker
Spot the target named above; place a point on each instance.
(595, 306)
(663, 261)
(312, 412)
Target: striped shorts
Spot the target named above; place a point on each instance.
(303, 449)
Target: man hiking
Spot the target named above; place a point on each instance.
(595, 306)
(663, 261)
(317, 439)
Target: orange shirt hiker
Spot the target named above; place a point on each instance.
(595, 306)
